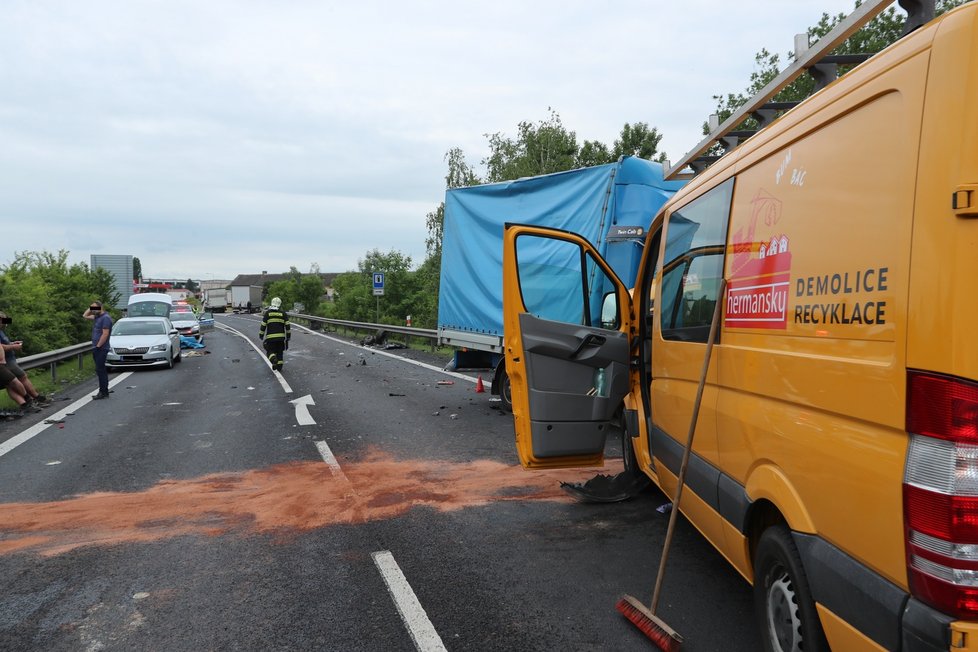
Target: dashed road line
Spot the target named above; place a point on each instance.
(423, 633)
(330, 459)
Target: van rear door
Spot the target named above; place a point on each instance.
(566, 325)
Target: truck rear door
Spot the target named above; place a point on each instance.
(566, 325)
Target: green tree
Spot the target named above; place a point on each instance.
(137, 269)
(878, 34)
(356, 301)
(540, 148)
(45, 297)
(309, 293)
(593, 152)
(637, 140)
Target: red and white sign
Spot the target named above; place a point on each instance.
(753, 303)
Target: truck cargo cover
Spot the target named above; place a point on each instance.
(588, 201)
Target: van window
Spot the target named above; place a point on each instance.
(558, 281)
(695, 245)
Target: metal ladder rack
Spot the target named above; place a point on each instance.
(814, 59)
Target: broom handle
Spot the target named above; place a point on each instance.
(689, 445)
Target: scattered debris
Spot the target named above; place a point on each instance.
(664, 509)
(393, 394)
(454, 416)
(607, 488)
(54, 421)
(378, 338)
(445, 382)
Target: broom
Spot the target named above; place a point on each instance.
(665, 637)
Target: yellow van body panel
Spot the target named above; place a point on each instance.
(945, 263)
(964, 636)
(817, 390)
(843, 636)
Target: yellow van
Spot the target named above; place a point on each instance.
(835, 459)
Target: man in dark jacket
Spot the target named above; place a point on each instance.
(275, 331)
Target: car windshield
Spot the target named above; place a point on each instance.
(123, 327)
(149, 309)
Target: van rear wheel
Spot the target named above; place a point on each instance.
(783, 602)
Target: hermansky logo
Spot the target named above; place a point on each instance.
(757, 293)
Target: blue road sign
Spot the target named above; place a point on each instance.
(378, 283)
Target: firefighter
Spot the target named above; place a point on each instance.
(275, 331)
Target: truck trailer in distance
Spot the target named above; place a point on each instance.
(246, 298)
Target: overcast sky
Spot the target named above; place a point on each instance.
(222, 137)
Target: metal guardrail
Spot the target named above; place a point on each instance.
(52, 358)
(408, 331)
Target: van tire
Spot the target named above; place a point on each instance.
(783, 605)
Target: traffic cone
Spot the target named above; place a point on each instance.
(479, 387)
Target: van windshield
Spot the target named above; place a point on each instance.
(149, 309)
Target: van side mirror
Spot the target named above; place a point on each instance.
(609, 311)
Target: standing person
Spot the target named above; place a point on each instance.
(276, 331)
(100, 345)
(10, 350)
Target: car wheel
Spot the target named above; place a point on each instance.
(169, 361)
(179, 357)
(783, 604)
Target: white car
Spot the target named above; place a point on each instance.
(186, 323)
(143, 342)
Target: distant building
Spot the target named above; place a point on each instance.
(120, 267)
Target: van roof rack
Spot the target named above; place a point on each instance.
(814, 59)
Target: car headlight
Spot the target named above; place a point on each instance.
(159, 347)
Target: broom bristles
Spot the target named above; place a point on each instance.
(665, 637)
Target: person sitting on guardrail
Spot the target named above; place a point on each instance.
(275, 331)
(10, 349)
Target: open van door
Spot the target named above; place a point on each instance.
(566, 319)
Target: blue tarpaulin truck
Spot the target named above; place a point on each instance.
(611, 205)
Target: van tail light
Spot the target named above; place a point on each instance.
(940, 492)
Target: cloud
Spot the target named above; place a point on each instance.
(229, 137)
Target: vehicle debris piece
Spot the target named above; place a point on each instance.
(604, 488)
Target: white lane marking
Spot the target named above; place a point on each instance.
(423, 633)
(454, 374)
(302, 410)
(40, 427)
(278, 376)
(330, 460)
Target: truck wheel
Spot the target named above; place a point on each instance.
(783, 603)
(506, 392)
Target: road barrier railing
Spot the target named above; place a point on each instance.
(52, 358)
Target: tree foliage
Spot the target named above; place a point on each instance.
(306, 289)
(878, 34)
(45, 297)
(354, 297)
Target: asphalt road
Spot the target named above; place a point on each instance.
(351, 503)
